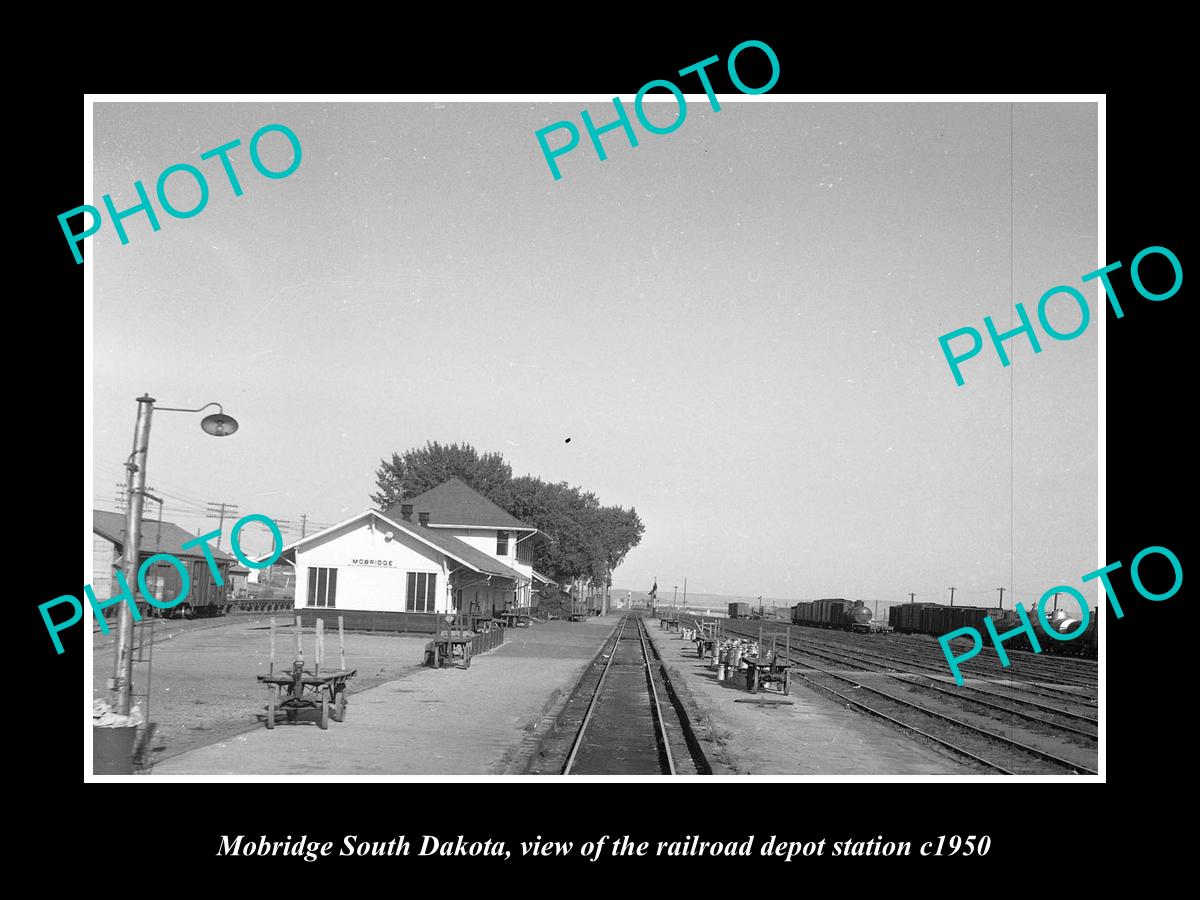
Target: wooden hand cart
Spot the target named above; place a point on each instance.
(512, 618)
(455, 649)
(772, 669)
(763, 673)
(299, 689)
(451, 645)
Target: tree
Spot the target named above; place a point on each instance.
(586, 540)
(423, 468)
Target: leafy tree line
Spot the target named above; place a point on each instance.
(587, 540)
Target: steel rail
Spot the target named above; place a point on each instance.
(906, 725)
(901, 661)
(659, 721)
(959, 693)
(1034, 751)
(587, 717)
(906, 658)
(1034, 664)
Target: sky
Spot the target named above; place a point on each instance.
(735, 324)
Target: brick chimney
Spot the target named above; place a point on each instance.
(406, 512)
(424, 517)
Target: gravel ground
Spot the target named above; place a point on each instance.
(203, 686)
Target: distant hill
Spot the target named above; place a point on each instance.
(713, 602)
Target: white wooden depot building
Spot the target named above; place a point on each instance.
(447, 550)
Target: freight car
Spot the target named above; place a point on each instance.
(203, 598)
(936, 620)
(1085, 645)
(907, 618)
(739, 610)
(835, 614)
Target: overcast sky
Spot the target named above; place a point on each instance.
(735, 324)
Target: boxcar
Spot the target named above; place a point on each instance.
(802, 613)
(204, 597)
(739, 610)
(906, 618)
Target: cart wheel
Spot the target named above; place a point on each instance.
(272, 702)
(339, 712)
(324, 711)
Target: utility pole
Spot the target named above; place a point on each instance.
(674, 596)
(912, 598)
(303, 524)
(1001, 590)
(685, 592)
(158, 537)
(220, 511)
(952, 590)
(131, 551)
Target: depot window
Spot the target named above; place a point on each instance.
(502, 543)
(422, 592)
(322, 586)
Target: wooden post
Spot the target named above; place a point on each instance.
(298, 643)
(341, 646)
(271, 670)
(319, 646)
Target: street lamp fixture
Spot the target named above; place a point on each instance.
(217, 424)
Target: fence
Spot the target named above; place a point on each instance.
(487, 640)
(366, 620)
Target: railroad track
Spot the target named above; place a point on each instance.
(1026, 664)
(1080, 726)
(624, 729)
(994, 751)
(1032, 710)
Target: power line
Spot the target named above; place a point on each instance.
(218, 510)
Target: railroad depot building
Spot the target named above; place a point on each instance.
(445, 551)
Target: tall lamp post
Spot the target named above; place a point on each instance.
(217, 424)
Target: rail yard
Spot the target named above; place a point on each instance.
(635, 695)
(1038, 716)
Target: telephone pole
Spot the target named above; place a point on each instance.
(912, 598)
(303, 525)
(952, 590)
(1001, 590)
(220, 511)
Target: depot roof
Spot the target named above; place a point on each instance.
(454, 503)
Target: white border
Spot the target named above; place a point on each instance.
(88, 357)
